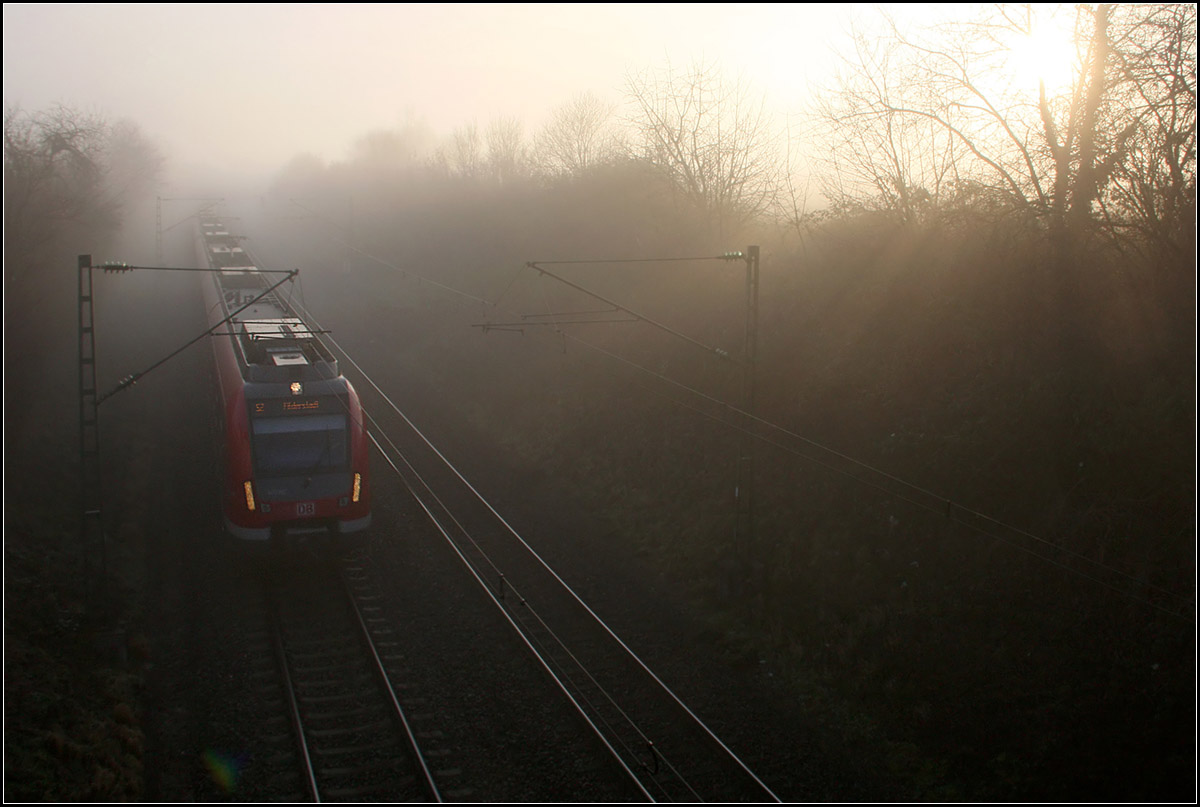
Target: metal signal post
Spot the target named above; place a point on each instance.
(744, 529)
(91, 494)
(91, 528)
(750, 351)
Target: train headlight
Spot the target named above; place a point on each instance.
(357, 487)
(249, 495)
(297, 388)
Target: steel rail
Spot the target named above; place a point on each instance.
(310, 775)
(386, 683)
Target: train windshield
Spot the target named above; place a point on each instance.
(299, 446)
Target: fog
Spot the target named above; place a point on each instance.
(233, 91)
(968, 420)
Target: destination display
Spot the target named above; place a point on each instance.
(273, 407)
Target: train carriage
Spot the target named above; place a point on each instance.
(295, 444)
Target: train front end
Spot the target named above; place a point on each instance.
(302, 465)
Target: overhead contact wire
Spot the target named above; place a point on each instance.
(467, 535)
(529, 609)
(371, 419)
(495, 601)
(641, 317)
(559, 579)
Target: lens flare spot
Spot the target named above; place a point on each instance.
(223, 768)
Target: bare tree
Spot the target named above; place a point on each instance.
(64, 170)
(579, 136)
(52, 174)
(506, 157)
(463, 156)
(913, 114)
(878, 155)
(1152, 189)
(931, 112)
(69, 179)
(711, 138)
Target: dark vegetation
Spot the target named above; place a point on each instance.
(1050, 655)
(974, 446)
(72, 729)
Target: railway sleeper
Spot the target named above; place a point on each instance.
(300, 644)
(371, 709)
(371, 766)
(313, 669)
(347, 652)
(383, 745)
(363, 680)
(347, 793)
(378, 725)
(341, 697)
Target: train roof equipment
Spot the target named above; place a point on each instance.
(273, 343)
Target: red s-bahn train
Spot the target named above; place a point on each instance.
(295, 444)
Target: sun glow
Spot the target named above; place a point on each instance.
(1046, 54)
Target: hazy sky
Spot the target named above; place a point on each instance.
(243, 88)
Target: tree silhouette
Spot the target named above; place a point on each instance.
(712, 140)
(579, 137)
(927, 117)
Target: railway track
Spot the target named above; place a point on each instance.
(342, 673)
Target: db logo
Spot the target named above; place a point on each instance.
(306, 508)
